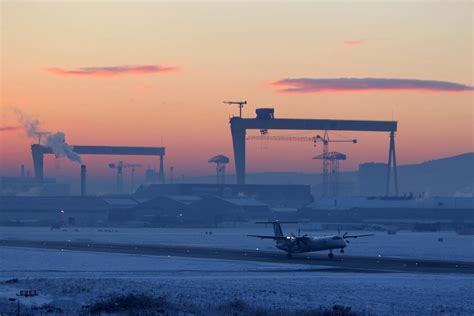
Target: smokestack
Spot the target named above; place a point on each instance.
(22, 172)
(83, 180)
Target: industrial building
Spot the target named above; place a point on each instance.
(206, 211)
(29, 186)
(48, 211)
(274, 195)
(391, 210)
(195, 211)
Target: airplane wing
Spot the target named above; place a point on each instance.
(357, 236)
(268, 237)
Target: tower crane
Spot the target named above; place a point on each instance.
(331, 162)
(120, 166)
(239, 103)
(326, 157)
(330, 177)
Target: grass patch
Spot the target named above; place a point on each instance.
(11, 281)
(237, 307)
(131, 303)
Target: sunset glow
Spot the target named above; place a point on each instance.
(155, 74)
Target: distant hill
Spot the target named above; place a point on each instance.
(445, 176)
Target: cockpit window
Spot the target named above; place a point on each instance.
(336, 238)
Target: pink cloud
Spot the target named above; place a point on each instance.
(338, 85)
(354, 42)
(112, 71)
(9, 128)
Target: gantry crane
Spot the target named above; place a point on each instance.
(326, 157)
(120, 166)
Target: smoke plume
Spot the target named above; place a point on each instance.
(56, 141)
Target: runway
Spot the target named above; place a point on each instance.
(341, 261)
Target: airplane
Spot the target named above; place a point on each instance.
(292, 244)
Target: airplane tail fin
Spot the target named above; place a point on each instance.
(276, 227)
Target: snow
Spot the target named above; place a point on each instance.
(80, 278)
(403, 244)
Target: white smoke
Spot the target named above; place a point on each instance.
(30, 124)
(56, 141)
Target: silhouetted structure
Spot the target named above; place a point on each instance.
(239, 103)
(151, 176)
(275, 195)
(314, 139)
(220, 161)
(331, 172)
(240, 125)
(45, 211)
(29, 186)
(120, 166)
(83, 180)
(38, 152)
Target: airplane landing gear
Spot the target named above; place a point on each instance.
(342, 250)
(330, 255)
(289, 256)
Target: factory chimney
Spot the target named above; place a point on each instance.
(22, 172)
(83, 180)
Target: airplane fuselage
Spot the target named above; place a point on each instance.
(311, 244)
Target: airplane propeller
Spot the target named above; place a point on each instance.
(344, 237)
(297, 241)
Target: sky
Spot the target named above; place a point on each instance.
(156, 74)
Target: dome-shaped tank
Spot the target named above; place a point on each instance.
(219, 159)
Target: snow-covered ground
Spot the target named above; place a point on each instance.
(80, 278)
(403, 244)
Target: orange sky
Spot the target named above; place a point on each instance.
(233, 51)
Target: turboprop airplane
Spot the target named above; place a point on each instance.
(292, 244)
